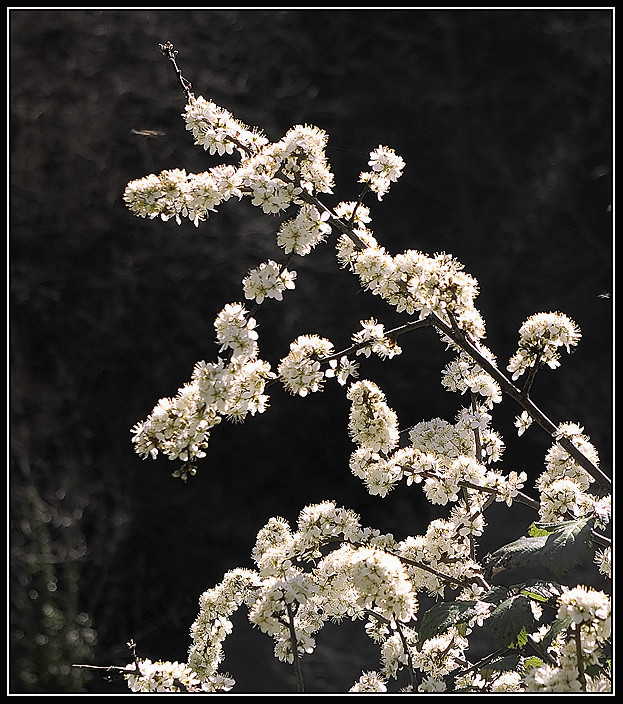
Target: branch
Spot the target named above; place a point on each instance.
(394, 333)
(170, 53)
(300, 685)
(460, 338)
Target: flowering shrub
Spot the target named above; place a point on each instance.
(546, 636)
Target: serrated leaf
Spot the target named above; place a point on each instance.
(567, 547)
(519, 553)
(559, 550)
(444, 615)
(511, 621)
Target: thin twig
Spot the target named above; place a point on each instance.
(407, 650)
(578, 655)
(170, 53)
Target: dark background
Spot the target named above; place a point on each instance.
(504, 120)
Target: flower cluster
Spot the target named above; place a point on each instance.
(269, 280)
(442, 456)
(373, 337)
(372, 424)
(218, 131)
(235, 331)
(463, 374)
(369, 682)
(564, 484)
(171, 678)
(180, 427)
(329, 568)
(301, 371)
(301, 234)
(386, 166)
(540, 340)
(415, 282)
(276, 176)
(575, 667)
(212, 624)
(176, 194)
(273, 175)
(161, 676)
(283, 599)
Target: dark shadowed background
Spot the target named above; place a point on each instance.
(504, 120)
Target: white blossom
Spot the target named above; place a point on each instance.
(540, 338)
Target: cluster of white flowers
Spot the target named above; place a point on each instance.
(451, 440)
(372, 424)
(564, 484)
(440, 655)
(277, 175)
(280, 608)
(373, 336)
(463, 374)
(442, 455)
(172, 678)
(589, 611)
(440, 551)
(176, 194)
(301, 155)
(386, 166)
(180, 427)
(161, 676)
(540, 340)
(495, 681)
(329, 568)
(218, 131)
(268, 280)
(369, 682)
(303, 232)
(273, 175)
(234, 389)
(301, 371)
(382, 584)
(414, 282)
(212, 624)
(282, 598)
(584, 605)
(235, 330)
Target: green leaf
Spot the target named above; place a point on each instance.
(537, 532)
(567, 547)
(559, 547)
(444, 615)
(511, 621)
(495, 595)
(532, 661)
(519, 553)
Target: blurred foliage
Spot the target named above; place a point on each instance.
(504, 120)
